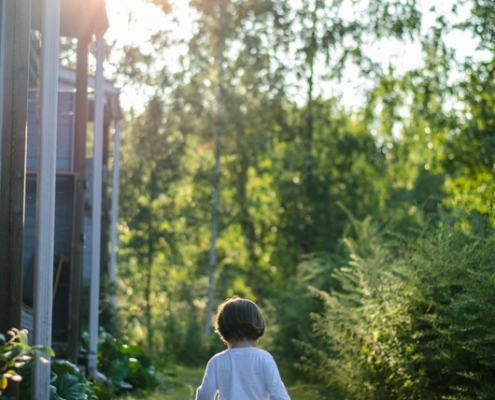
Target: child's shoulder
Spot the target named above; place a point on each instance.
(243, 350)
(252, 351)
(220, 354)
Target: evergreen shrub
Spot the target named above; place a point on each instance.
(400, 317)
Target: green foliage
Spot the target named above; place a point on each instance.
(126, 365)
(16, 352)
(152, 153)
(453, 313)
(409, 318)
(69, 382)
(66, 382)
(365, 324)
(292, 152)
(289, 314)
(470, 160)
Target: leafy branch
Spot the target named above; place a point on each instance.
(17, 352)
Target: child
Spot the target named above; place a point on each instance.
(242, 372)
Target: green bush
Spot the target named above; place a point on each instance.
(400, 317)
(66, 383)
(454, 312)
(365, 329)
(289, 315)
(125, 364)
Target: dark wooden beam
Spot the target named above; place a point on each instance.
(13, 167)
(105, 203)
(13, 164)
(81, 122)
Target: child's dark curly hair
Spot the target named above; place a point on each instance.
(239, 319)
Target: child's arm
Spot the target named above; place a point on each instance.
(276, 387)
(208, 388)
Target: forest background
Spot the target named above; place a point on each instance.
(289, 152)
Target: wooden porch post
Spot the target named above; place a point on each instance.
(81, 121)
(45, 193)
(2, 61)
(13, 160)
(14, 83)
(115, 212)
(94, 296)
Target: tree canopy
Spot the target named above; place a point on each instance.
(344, 219)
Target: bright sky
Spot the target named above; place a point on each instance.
(134, 21)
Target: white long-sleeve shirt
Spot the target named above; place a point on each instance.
(244, 373)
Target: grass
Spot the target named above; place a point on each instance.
(180, 386)
(183, 387)
(301, 392)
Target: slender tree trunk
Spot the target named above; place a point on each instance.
(216, 172)
(247, 226)
(307, 173)
(149, 262)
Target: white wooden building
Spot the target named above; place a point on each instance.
(45, 201)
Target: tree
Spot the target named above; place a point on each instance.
(469, 157)
(224, 37)
(151, 164)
